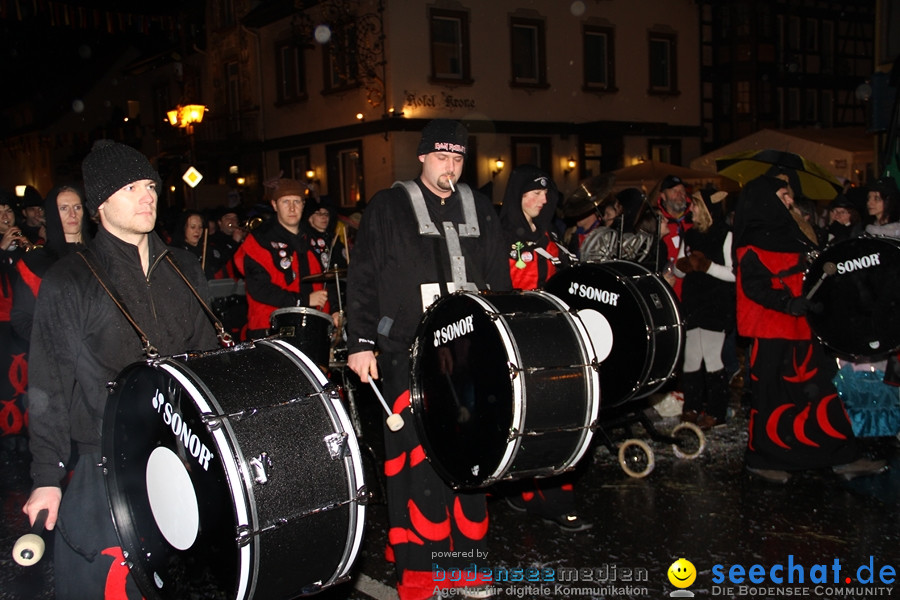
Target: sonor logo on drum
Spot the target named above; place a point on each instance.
(863, 262)
(450, 332)
(592, 293)
(182, 432)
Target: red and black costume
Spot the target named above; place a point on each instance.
(673, 235)
(428, 520)
(534, 256)
(274, 260)
(797, 420)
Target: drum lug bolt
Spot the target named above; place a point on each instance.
(260, 466)
(243, 536)
(336, 444)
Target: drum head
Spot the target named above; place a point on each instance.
(167, 488)
(461, 390)
(607, 289)
(861, 299)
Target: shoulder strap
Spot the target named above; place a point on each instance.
(469, 228)
(99, 272)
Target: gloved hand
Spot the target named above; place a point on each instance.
(683, 264)
(699, 262)
(801, 305)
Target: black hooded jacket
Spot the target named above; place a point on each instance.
(34, 264)
(521, 241)
(80, 340)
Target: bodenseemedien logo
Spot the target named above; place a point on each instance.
(682, 574)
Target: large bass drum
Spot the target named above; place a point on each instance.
(857, 282)
(503, 386)
(233, 474)
(634, 323)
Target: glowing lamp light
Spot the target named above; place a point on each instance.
(183, 116)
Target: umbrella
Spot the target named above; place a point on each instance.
(813, 180)
(647, 174)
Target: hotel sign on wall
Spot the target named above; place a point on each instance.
(440, 101)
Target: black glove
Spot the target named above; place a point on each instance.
(801, 305)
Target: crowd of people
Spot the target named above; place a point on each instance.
(93, 274)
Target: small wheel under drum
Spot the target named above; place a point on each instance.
(690, 441)
(636, 458)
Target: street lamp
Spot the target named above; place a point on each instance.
(184, 117)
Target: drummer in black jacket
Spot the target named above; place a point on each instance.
(400, 265)
(81, 340)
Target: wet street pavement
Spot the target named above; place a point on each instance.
(707, 510)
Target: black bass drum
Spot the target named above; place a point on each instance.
(306, 328)
(233, 474)
(503, 386)
(633, 320)
(857, 281)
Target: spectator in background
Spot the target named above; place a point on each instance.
(883, 205)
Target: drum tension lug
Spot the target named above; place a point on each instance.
(337, 445)
(363, 496)
(260, 466)
(243, 535)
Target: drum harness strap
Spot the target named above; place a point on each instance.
(148, 348)
(428, 229)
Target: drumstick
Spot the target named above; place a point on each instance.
(394, 421)
(829, 268)
(29, 548)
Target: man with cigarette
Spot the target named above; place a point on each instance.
(417, 241)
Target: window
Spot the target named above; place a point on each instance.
(529, 66)
(662, 64)
(341, 68)
(291, 73)
(294, 163)
(449, 46)
(233, 95)
(599, 58)
(345, 173)
(531, 151)
(742, 98)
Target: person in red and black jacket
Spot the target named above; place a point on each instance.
(674, 207)
(797, 420)
(529, 205)
(535, 255)
(276, 257)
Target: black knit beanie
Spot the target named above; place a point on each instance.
(444, 135)
(109, 167)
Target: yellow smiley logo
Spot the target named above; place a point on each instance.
(682, 573)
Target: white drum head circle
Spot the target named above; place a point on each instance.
(599, 330)
(173, 500)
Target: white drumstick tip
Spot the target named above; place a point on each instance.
(394, 421)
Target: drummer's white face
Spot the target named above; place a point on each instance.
(875, 205)
(289, 210)
(438, 168)
(532, 203)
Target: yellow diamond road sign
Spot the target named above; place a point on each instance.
(192, 177)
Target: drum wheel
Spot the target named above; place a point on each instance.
(690, 441)
(636, 458)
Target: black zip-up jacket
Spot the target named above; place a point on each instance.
(390, 261)
(80, 340)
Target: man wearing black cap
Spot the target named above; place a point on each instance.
(33, 220)
(675, 208)
(401, 264)
(81, 340)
